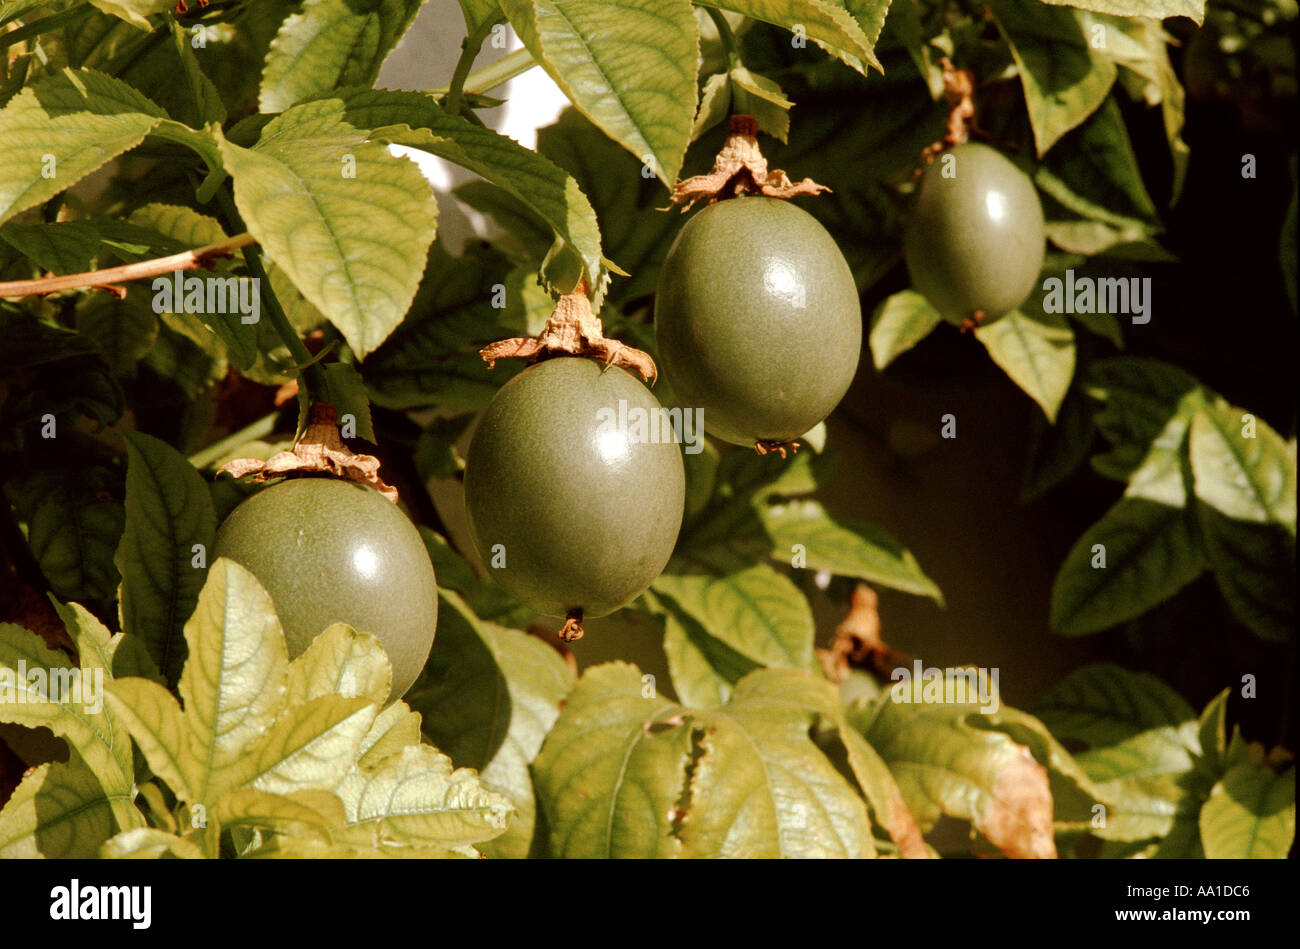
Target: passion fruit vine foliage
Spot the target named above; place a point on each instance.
(235, 140)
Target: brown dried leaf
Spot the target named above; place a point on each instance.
(858, 642)
(319, 451)
(959, 93)
(740, 168)
(904, 832)
(1018, 819)
(573, 330)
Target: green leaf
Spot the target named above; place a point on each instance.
(395, 728)
(341, 661)
(1064, 78)
(760, 787)
(715, 105)
(1142, 398)
(537, 680)
(1150, 550)
(612, 179)
(756, 611)
(170, 530)
(134, 12)
(63, 247)
(149, 843)
(1057, 450)
(301, 814)
(156, 722)
(1037, 351)
(124, 330)
(945, 762)
(1095, 173)
(1250, 814)
(310, 746)
(353, 245)
(1242, 467)
(762, 98)
(58, 811)
(1156, 9)
(54, 694)
(1104, 704)
(625, 773)
(199, 99)
(488, 697)
(73, 528)
(803, 528)
(331, 43)
(899, 323)
(416, 799)
(1254, 567)
(703, 669)
(826, 22)
(234, 679)
(478, 12)
(628, 65)
(414, 120)
(1141, 47)
(345, 390)
(612, 769)
(433, 357)
(186, 228)
(60, 129)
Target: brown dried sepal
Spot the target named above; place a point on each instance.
(768, 447)
(973, 322)
(740, 168)
(545, 632)
(571, 631)
(858, 642)
(959, 93)
(573, 330)
(319, 451)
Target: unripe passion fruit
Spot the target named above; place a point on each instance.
(974, 241)
(571, 504)
(757, 320)
(331, 551)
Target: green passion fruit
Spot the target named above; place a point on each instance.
(757, 320)
(332, 551)
(974, 240)
(574, 487)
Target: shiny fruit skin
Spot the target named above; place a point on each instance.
(757, 320)
(975, 241)
(585, 516)
(333, 551)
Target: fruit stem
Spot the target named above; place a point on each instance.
(726, 37)
(571, 631)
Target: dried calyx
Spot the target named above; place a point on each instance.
(573, 330)
(959, 93)
(319, 451)
(740, 168)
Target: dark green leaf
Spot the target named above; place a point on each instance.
(170, 529)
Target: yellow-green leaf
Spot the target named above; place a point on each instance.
(233, 684)
(628, 65)
(341, 660)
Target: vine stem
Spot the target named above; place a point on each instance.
(109, 277)
(494, 74)
(311, 378)
(726, 36)
(469, 50)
